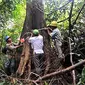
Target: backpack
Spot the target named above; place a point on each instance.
(4, 50)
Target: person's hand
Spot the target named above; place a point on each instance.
(45, 28)
(19, 46)
(31, 34)
(22, 40)
(49, 29)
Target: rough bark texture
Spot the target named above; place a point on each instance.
(25, 58)
(35, 19)
(37, 14)
(28, 20)
(34, 16)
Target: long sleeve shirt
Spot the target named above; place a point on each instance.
(56, 35)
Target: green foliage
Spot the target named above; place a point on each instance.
(19, 14)
(2, 60)
(5, 82)
(82, 79)
(12, 23)
(12, 15)
(46, 83)
(2, 83)
(13, 82)
(58, 10)
(6, 9)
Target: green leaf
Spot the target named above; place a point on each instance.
(46, 83)
(2, 83)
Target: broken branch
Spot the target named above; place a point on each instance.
(61, 71)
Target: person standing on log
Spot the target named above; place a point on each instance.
(36, 41)
(55, 34)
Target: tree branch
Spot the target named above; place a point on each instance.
(55, 9)
(78, 14)
(65, 19)
(61, 71)
(51, 74)
(70, 27)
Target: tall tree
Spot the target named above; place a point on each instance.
(34, 16)
(35, 19)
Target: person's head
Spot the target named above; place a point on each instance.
(53, 24)
(35, 32)
(8, 39)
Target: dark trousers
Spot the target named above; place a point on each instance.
(10, 66)
(13, 65)
(38, 60)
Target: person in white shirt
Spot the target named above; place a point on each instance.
(56, 37)
(36, 41)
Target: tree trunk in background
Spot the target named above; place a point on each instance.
(34, 16)
(37, 14)
(35, 19)
(28, 19)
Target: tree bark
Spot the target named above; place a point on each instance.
(34, 16)
(28, 20)
(35, 19)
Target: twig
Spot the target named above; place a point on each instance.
(79, 14)
(71, 27)
(58, 8)
(51, 74)
(34, 74)
(62, 71)
(71, 60)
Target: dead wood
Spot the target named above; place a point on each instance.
(61, 71)
(24, 58)
(57, 73)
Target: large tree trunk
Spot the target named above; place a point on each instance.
(28, 20)
(35, 19)
(34, 16)
(37, 14)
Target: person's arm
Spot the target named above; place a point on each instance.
(15, 44)
(10, 47)
(52, 33)
(31, 35)
(49, 30)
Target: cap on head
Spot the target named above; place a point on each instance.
(6, 38)
(53, 23)
(35, 32)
